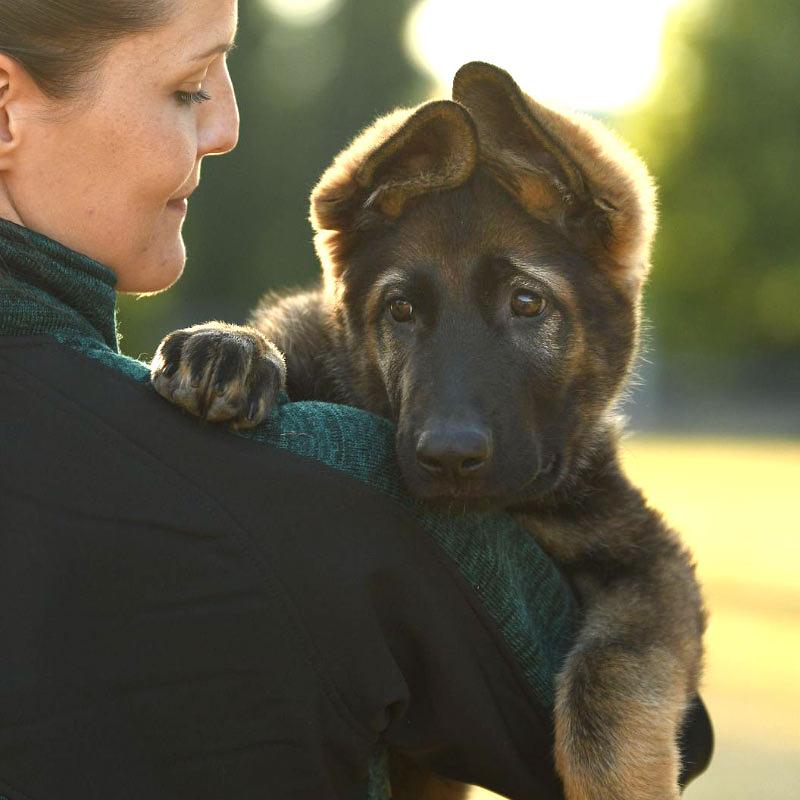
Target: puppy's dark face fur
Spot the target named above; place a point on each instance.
(483, 262)
(495, 344)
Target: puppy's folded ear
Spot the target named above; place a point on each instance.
(567, 170)
(401, 156)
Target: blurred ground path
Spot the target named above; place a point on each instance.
(736, 503)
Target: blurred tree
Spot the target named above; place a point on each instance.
(305, 88)
(722, 134)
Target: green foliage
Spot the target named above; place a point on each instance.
(722, 134)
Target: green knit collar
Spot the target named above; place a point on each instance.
(45, 288)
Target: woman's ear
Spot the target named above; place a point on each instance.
(5, 123)
(20, 99)
(15, 91)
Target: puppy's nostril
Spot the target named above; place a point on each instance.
(429, 464)
(472, 464)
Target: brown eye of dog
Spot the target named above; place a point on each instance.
(525, 303)
(401, 310)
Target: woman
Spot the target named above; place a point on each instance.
(187, 613)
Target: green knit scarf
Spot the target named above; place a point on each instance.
(47, 289)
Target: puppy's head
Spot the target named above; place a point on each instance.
(483, 262)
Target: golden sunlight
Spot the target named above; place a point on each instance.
(578, 53)
(303, 12)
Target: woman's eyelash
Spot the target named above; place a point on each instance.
(187, 98)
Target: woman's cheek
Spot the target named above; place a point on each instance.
(185, 149)
(170, 157)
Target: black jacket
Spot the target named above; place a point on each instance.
(188, 615)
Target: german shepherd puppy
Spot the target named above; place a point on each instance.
(483, 261)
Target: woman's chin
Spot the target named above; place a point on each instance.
(154, 276)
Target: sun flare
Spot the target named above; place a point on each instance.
(584, 54)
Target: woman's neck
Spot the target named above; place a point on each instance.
(7, 208)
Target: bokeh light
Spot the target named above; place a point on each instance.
(303, 12)
(584, 54)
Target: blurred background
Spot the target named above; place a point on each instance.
(708, 91)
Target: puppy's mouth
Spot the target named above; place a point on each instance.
(549, 476)
(456, 498)
(545, 481)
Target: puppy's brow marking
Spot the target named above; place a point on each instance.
(392, 277)
(557, 283)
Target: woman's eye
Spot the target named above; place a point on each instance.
(401, 310)
(187, 98)
(525, 303)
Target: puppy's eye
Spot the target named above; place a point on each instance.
(401, 310)
(525, 303)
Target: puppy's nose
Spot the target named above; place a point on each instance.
(454, 452)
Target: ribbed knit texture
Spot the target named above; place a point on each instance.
(48, 289)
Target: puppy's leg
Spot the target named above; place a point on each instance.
(219, 372)
(622, 693)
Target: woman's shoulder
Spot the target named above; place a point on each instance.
(342, 437)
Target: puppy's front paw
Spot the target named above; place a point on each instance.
(616, 728)
(219, 372)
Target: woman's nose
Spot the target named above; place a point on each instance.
(219, 126)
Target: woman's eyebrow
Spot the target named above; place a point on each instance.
(226, 47)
